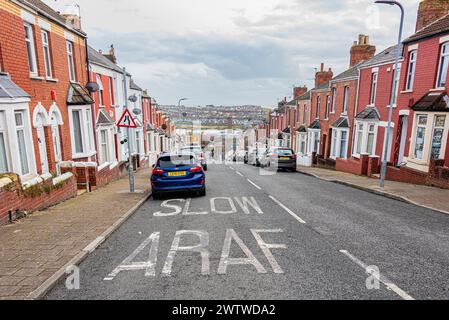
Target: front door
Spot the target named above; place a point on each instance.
(401, 140)
(42, 149)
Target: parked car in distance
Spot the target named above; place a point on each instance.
(252, 153)
(256, 156)
(177, 172)
(241, 156)
(280, 158)
(198, 151)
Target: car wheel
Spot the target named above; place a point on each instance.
(202, 193)
(205, 167)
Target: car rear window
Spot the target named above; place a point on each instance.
(285, 152)
(194, 150)
(176, 161)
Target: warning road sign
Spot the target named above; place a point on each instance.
(127, 120)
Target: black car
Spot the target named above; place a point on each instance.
(280, 158)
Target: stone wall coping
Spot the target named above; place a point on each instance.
(62, 178)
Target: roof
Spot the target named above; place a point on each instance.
(436, 28)
(350, 73)
(323, 86)
(305, 96)
(97, 58)
(104, 118)
(78, 95)
(342, 122)
(315, 125)
(369, 113)
(287, 130)
(302, 129)
(292, 103)
(8, 89)
(151, 127)
(433, 101)
(46, 10)
(387, 55)
(134, 86)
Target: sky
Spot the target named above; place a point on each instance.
(234, 52)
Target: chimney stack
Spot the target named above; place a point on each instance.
(431, 10)
(111, 54)
(72, 20)
(361, 50)
(323, 76)
(299, 91)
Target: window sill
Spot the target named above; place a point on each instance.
(84, 155)
(437, 89)
(406, 91)
(52, 80)
(35, 77)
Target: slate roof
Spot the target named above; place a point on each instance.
(287, 130)
(433, 101)
(323, 86)
(151, 127)
(305, 96)
(342, 122)
(46, 10)
(302, 129)
(388, 54)
(78, 95)
(350, 73)
(104, 118)
(8, 89)
(436, 28)
(369, 113)
(315, 125)
(292, 103)
(97, 58)
(134, 86)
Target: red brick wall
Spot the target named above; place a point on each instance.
(15, 62)
(14, 198)
(354, 166)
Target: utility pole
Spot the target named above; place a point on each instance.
(393, 93)
(128, 131)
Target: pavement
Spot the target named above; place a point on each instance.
(284, 236)
(427, 197)
(35, 252)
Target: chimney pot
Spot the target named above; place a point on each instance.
(429, 11)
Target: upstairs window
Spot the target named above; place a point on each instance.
(374, 79)
(346, 100)
(318, 107)
(328, 106)
(71, 61)
(31, 49)
(100, 91)
(396, 86)
(47, 56)
(411, 70)
(334, 99)
(443, 68)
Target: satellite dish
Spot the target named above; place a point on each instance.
(92, 87)
(164, 127)
(137, 111)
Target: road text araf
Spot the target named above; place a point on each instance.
(201, 250)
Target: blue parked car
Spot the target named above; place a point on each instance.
(178, 172)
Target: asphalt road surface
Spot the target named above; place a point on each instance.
(283, 236)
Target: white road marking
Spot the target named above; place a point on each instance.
(255, 185)
(233, 208)
(265, 247)
(288, 210)
(231, 168)
(390, 286)
(239, 173)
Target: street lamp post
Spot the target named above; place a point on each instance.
(393, 93)
(181, 100)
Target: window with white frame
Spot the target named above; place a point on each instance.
(4, 163)
(21, 140)
(346, 100)
(437, 137)
(81, 131)
(328, 107)
(138, 141)
(111, 91)
(115, 90)
(31, 49)
(104, 146)
(339, 147)
(334, 99)
(411, 70)
(71, 61)
(47, 54)
(396, 86)
(365, 138)
(314, 141)
(56, 137)
(100, 90)
(420, 139)
(318, 107)
(443, 67)
(374, 79)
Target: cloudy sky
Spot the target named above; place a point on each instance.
(234, 51)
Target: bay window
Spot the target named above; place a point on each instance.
(411, 70)
(339, 146)
(81, 131)
(365, 138)
(4, 167)
(443, 67)
(23, 154)
(31, 49)
(420, 137)
(437, 137)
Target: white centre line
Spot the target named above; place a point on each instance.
(239, 173)
(255, 185)
(288, 210)
(390, 285)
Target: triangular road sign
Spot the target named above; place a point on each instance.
(127, 120)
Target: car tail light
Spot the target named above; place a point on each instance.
(158, 172)
(202, 182)
(294, 156)
(196, 169)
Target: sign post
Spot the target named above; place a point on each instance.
(127, 121)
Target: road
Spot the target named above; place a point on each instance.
(284, 236)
